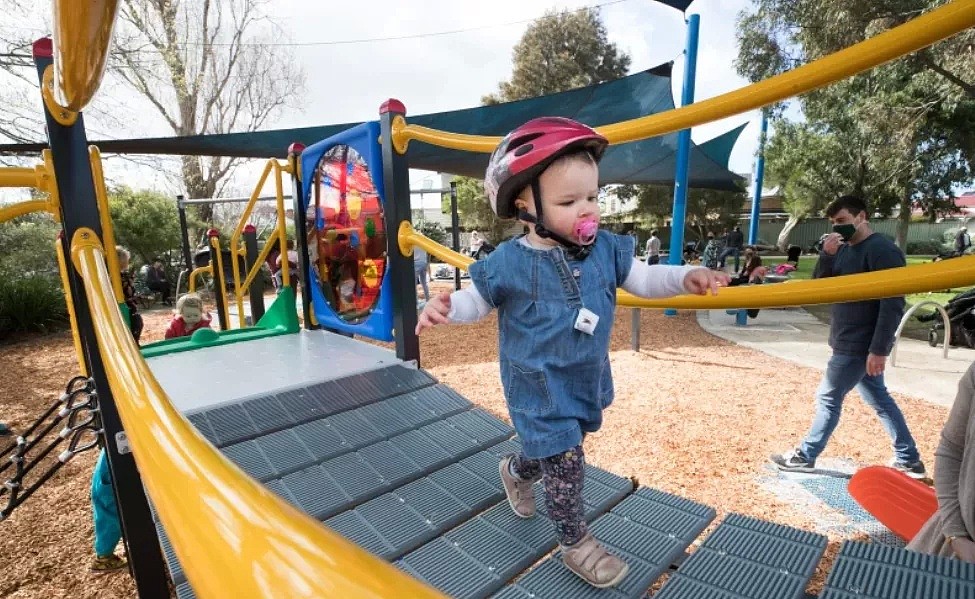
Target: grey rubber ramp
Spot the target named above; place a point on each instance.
(185, 591)
(748, 558)
(276, 454)
(868, 571)
(398, 522)
(650, 529)
(232, 423)
(481, 555)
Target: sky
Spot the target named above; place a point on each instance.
(447, 71)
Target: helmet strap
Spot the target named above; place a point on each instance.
(575, 250)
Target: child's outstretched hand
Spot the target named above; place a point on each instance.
(435, 312)
(701, 280)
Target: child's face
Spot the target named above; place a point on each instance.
(570, 192)
(191, 314)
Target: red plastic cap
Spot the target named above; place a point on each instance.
(213, 233)
(43, 48)
(392, 105)
(249, 228)
(296, 148)
(61, 235)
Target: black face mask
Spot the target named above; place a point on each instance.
(846, 231)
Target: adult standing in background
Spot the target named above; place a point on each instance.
(653, 248)
(733, 244)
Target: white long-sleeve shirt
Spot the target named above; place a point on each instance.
(658, 280)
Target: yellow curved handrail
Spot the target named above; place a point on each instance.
(82, 38)
(280, 234)
(21, 208)
(105, 219)
(216, 264)
(233, 536)
(914, 35)
(918, 278)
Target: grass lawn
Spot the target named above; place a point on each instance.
(913, 329)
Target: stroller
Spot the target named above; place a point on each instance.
(961, 317)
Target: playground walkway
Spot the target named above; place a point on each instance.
(795, 335)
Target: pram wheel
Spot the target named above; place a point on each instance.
(933, 338)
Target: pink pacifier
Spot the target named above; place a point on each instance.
(586, 230)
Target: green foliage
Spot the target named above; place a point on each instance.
(33, 303)
(930, 247)
(475, 211)
(28, 246)
(561, 51)
(146, 222)
(435, 232)
(707, 209)
(900, 134)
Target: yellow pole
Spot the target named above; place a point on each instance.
(235, 250)
(18, 176)
(216, 257)
(918, 278)
(82, 38)
(910, 37)
(72, 318)
(105, 217)
(233, 536)
(21, 208)
(191, 285)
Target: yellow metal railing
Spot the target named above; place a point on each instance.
(191, 284)
(216, 266)
(233, 536)
(105, 218)
(914, 35)
(919, 278)
(72, 317)
(280, 235)
(40, 177)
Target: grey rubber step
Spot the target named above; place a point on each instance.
(649, 529)
(868, 571)
(481, 555)
(748, 558)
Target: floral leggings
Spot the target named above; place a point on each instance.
(562, 475)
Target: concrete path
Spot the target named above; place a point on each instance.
(798, 336)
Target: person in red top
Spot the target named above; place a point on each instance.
(190, 316)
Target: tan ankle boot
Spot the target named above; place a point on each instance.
(592, 562)
(521, 494)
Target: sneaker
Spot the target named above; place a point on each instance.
(793, 461)
(913, 469)
(592, 562)
(107, 563)
(520, 492)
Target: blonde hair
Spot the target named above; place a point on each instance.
(190, 300)
(122, 253)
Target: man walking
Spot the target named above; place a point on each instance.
(733, 244)
(861, 335)
(653, 248)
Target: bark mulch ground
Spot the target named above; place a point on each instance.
(694, 415)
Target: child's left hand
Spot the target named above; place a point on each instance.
(700, 280)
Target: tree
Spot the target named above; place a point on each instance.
(706, 209)
(205, 67)
(900, 134)
(561, 51)
(558, 52)
(146, 222)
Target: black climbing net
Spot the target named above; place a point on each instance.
(72, 420)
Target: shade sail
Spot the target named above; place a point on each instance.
(650, 161)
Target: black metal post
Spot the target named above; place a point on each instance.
(184, 235)
(217, 280)
(301, 231)
(79, 209)
(396, 181)
(256, 291)
(454, 230)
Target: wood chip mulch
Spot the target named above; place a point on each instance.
(694, 415)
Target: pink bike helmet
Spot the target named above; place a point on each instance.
(528, 150)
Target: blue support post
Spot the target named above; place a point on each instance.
(759, 181)
(683, 149)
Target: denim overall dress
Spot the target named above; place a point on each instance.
(556, 379)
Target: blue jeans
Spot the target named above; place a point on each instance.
(735, 252)
(843, 373)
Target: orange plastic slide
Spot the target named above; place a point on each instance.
(899, 502)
